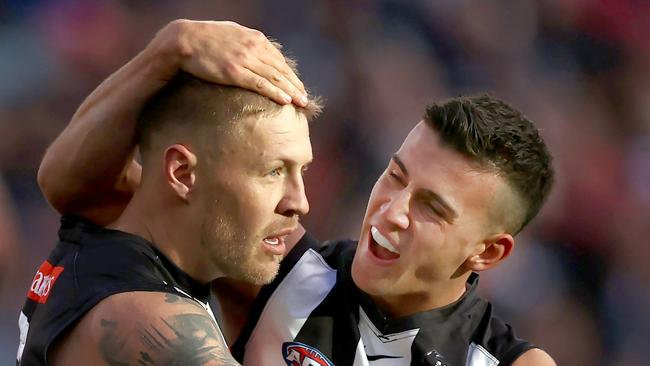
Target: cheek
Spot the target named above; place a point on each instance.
(440, 255)
(257, 203)
(250, 211)
(234, 201)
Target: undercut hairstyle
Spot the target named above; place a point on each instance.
(501, 139)
(189, 106)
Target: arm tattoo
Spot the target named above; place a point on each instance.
(172, 299)
(181, 339)
(176, 299)
(110, 346)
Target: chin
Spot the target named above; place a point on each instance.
(261, 274)
(268, 277)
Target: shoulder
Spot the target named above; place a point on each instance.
(338, 253)
(148, 328)
(308, 259)
(534, 357)
(105, 260)
(305, 278)
(495, 336)
(332, 254)
(305, 245)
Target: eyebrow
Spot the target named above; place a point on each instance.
(450, 214)
(288, 162)
(401, 165)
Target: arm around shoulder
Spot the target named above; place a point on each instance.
(534, 357)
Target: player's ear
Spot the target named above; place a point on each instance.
(180, 170)
(493, 250)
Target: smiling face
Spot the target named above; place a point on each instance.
(429, 218)
(254, 193)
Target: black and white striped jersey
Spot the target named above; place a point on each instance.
(89, 264)
(314, 315)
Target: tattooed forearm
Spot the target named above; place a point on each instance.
(181, 339)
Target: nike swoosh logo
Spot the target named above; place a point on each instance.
(379, 357)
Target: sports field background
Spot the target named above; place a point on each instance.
(577, 283)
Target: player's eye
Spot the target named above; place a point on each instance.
(395, 177)
(434, 210)
(275, 172)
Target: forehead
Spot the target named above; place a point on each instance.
(434, 166)
(283, 136)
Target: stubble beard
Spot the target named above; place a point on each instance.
(236, 253)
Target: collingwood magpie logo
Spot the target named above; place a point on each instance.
(300, 354)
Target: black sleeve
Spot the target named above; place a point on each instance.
(504, 344)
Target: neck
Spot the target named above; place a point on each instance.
(440, 295)
(168, 229)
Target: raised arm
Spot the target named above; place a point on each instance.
(89, 169)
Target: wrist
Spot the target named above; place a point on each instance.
(168, 50)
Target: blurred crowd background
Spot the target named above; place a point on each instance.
(577, 283)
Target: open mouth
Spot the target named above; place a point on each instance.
(272, 240)
(381, 247)
(274, 244)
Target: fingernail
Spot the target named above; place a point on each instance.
(304, 100)
(286, 98)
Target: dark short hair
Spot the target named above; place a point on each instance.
(187, 104)
(499, 137)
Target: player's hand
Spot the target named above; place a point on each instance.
(230, 54)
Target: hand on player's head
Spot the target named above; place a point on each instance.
(230, 54)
